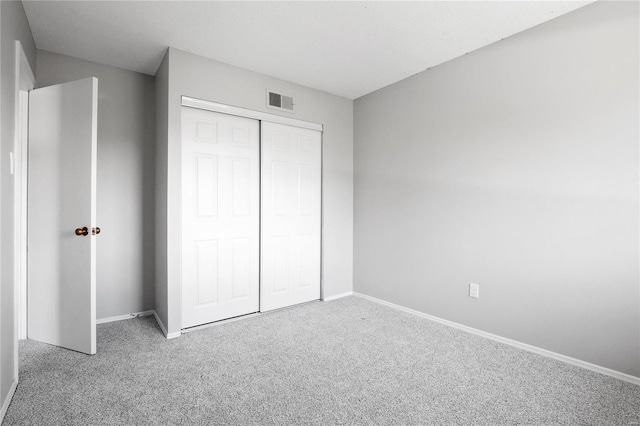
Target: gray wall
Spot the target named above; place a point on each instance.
(202, 78)
(514, 167)
(126, 164)
(13, 26)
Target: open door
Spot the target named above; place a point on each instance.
(61, 257)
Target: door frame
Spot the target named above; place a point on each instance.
(24, 82)
(187, 101)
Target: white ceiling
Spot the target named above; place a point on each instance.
(345, 48)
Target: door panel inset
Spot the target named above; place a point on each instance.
(279, 187)
(207, 272)
(240, 186)
(206, 183)
(240, 137)
(206, 132)
(241, 268)
(305, 190)
(279, 254)
(305, 252)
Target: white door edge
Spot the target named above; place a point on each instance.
(24, 81)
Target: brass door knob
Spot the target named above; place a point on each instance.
(95, 231)
(82, 231)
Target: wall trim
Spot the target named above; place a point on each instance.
(24, 80)
(7, 401)
(530, 348)
(163, 328)
(124, 317)
(248, 113)
(337, 296)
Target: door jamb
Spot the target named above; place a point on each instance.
(24, 82)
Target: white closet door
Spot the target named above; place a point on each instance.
(290, 233)
(220, 216)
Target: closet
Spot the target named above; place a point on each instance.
(251, 212)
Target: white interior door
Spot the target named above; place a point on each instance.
(61, 199)
(290, 232)
(220, 216)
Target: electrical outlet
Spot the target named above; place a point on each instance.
(474, 290)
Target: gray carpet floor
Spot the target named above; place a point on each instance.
(349, 361)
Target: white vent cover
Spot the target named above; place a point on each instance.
(279, 101)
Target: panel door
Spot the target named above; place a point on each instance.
(220, 216)
(290, 233)
(61, 262)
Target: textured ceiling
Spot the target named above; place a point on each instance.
(345, 48)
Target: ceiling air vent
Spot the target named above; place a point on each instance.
(279, 101)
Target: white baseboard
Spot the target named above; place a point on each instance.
(573, 361)
(337, 296)
(164, 329)
(7, 401)
(124, 317)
